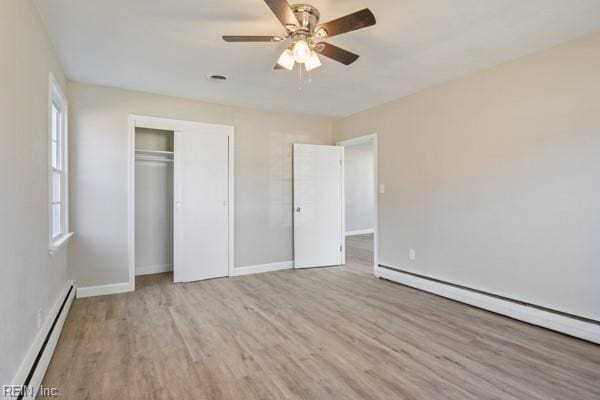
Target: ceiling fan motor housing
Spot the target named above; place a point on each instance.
(308, 18)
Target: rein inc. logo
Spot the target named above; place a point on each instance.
(22, 391)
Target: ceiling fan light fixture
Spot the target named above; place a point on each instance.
(286, 60)
(313, 62)
(301, 51)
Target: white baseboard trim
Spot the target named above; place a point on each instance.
(256, 269)
(359, 232)
(546, 319)
(153, 269)
(28, 362)
(102, 290)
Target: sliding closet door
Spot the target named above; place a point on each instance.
(201, 205)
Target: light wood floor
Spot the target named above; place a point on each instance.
(328, 333)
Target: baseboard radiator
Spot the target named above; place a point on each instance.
(582, 328)
(27, 382)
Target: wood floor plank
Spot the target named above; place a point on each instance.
(325, 333)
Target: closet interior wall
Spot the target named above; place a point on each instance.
(153, 201)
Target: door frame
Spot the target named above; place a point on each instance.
(370, 138)
(142, 121)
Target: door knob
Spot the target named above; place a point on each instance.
(298, 209)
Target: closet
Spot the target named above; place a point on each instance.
(154, 180)
(181, 189)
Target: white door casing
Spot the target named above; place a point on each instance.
(318, 205)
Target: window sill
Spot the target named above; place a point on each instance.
(58, 243)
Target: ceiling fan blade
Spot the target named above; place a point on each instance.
(278, 67)
(349, 23)
(236, 39)
(337, 54)
(283, 12)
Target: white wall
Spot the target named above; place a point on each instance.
(263, 173)
(358, 177)
(494, 179)
(153, 215)
(31, 278)
(153, 203)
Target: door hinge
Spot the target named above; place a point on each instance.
(340, 248)
(340, 163)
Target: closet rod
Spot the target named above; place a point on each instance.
(153, 159)
(158, 152)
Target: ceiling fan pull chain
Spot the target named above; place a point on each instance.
(300, 69)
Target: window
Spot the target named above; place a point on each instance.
(59, 225)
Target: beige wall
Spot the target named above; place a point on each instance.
(494, 179)
(263, 172)
(31, 278)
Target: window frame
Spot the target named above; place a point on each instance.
(58, 101)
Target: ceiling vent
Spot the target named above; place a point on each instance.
(217, 77)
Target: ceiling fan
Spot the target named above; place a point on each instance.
(301, 22)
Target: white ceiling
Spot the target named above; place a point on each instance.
(170, 46)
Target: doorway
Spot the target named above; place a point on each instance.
(154, 150)
(360, 197)
(181, 199)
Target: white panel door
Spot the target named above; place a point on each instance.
(201, 205)
(318, 205)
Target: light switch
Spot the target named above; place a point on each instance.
(381, 188)
(412, 254)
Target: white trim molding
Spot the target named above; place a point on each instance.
(554, 321)
(153, 269)
(257, 269)
(101, 290)
(365, 139)
(359, 232)
(57, 244)
(37, 346)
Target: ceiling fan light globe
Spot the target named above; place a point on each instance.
(301, 51)
(313, 62)
(286, 60)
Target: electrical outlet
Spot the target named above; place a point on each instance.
(39, 319)
(381, 188)
(412, 254)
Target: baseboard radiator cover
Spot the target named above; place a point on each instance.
(27, 382)
(568, 324)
